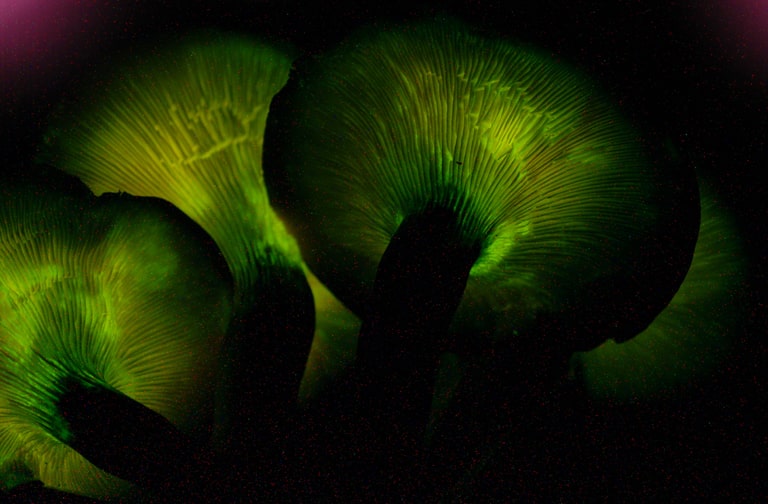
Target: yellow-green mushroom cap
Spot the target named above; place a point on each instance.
(692, 336)
(121, 291)
(539, 169)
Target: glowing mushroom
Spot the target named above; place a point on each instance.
(455, 190)
(119, 293)
(186, 124)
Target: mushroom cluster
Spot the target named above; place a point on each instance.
(485, 212)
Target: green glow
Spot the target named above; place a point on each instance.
(115, 289)
(691, 336)
(335, 342)
(527, 151)
(187, 125)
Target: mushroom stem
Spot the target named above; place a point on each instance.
(125, 438)
(500, 394)
(265, 354)
(419, 283)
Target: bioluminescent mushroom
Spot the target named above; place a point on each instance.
(429, 162)
(186, 124)
(691, 336)
(118, 292)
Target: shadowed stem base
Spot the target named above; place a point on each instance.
(264, 358)
(419, 284)
(129, 440)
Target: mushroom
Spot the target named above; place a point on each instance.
(115, 293)
(461, 193)
(691, 336)
(186, 124)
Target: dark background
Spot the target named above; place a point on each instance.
(691, 73)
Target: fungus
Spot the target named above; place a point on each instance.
(118, 292)
(455, 190)
(691, 336)
(186, 124)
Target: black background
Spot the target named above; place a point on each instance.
(683, 71)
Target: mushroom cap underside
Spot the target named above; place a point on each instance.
(121, 291)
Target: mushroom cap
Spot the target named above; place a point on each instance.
(185, 123)
(695, 332)
(540, 169)
(120, 291)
